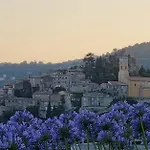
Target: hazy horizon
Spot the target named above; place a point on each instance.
(56, 31)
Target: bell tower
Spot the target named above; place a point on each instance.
(123, 74)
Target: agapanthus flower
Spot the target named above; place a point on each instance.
(121, 124)
(123, 107)
(63, 130)
(21, 117)
(85, 121)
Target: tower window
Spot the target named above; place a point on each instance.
(135, 84)
(125, 67)
(121, 67)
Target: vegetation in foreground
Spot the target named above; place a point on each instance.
(120, 128)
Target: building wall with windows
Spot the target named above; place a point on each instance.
(95, 100)
(84, 86)
(139, 87)
(61, 80)
(35, 81)
(15, 103)
(115, 88)
(42, 95)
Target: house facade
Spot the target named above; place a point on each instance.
(138, 87)
(115, 88)
(15, 103)
(95, 101)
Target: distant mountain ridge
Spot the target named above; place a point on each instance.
(141, 52)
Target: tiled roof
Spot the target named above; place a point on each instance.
(107, 84)
(42, 93)
(116, 83)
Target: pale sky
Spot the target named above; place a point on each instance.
(59, 30)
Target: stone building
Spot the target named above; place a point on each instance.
(61, 98)
(42, 95)
(123, 74)
(55, 100)
(138, 87)
(43, 98)
(35, 81)
(46, 82)
(115, 88)
(62, 80)
(68, 78)
(95, 101)
(15, 103)
(84, 86)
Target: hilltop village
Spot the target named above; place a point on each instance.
(56, 92)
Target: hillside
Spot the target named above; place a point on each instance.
(141, 52)
(10, 71)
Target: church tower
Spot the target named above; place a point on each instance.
(123, 70)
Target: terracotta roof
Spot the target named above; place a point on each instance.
(140, 79)
(107, 84)
(116, 83)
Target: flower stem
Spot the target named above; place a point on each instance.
(66, 145)
(99, 146)
(88, 144)
(135, 144)
(94, 144)
(144, 136)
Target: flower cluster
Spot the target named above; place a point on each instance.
(119, 127)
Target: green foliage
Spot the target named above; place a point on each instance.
(105, 68)
(56, 111)
(6, 115)
(77, 102)
(129, 100)
(48, 115)
(34, 110)
(77, 105)
(77, 95)
(101, 69)
(58, 89)
(144, 72)
(89, 62)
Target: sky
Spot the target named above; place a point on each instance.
(59, 30)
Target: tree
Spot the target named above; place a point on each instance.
(89, 64)
(6, 115)
(58, 89)
(49, 111)
(142, 71)
(115, 50)
(40, 62)
(57, 111)
(24, 62)
(34, 110)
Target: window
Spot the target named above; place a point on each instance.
(135, 84)
(121, 67)
(125, 67)
(99, 104)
